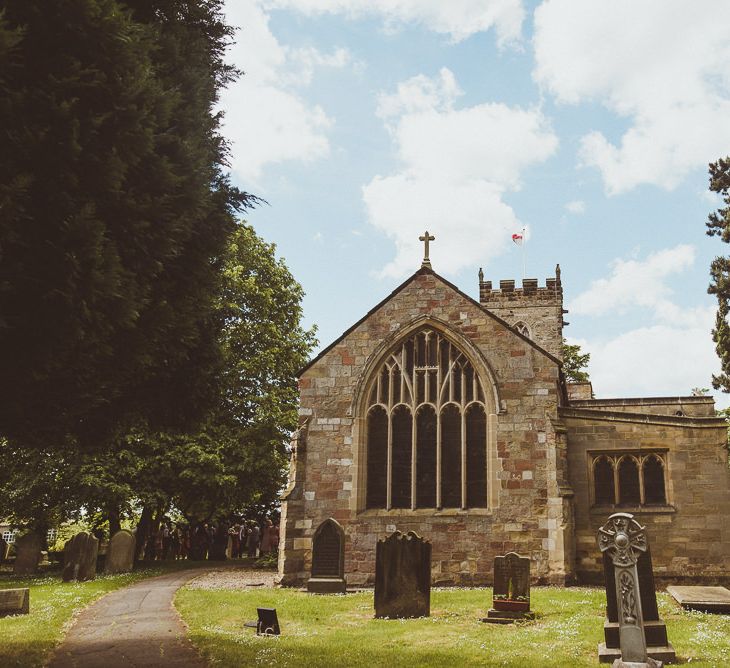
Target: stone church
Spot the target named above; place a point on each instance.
(451, 417)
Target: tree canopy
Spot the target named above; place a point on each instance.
(718, 225)
(115, 213)
(575, 363)
(235, 461)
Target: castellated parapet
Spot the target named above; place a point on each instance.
(535, 311)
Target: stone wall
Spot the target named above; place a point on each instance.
(690, 536)
(529, 499)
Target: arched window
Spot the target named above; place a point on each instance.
(654, 492)
(426, 428)
(637, 478)
(605, 492)
(522, 328)
(628, 482)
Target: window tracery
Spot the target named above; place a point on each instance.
(426, 432)
(629, 478)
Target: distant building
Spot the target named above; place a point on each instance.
(451, 417)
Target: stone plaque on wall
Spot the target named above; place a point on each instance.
(27, 554)
(328, 559)
(403, 576)
(79, 557)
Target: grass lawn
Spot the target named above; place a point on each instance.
(340, 630)
(26, 640)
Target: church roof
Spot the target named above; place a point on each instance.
(408, 281)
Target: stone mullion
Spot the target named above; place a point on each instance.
(640, 463)
(616, 487)
(389, 473)
(414, 430)
(463, 452)
(438, 459)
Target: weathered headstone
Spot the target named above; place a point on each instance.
(623, 539)
(120, 553)
(403, 576)
(511, 597)
(328, 559)
(27, 554)
(79, 557)
(14, 602)
(3, 550)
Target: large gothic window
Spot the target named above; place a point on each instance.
(426, 428)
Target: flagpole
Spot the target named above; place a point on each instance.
(524, 253)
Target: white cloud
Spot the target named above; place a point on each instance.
(639, 362)
(577, 207)
(456, 166)
(637, 283)
(662, 64)
(266, 120)
(457, 18)
(672, 353)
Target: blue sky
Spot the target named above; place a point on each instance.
(590, 124)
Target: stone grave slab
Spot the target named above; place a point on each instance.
(655, 630)
(120, 553)
(328, 559)
(14, 602)
(403, 576)
(704, 599)
(79, 557)
(27, 554)
(511, 593)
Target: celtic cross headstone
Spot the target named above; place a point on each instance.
(623, 539)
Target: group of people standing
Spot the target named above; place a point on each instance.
(216, 540)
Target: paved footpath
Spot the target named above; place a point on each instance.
(130, 627)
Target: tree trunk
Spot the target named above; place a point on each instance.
(114, 519)
(143, 531)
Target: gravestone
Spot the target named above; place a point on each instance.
(14, 602)
(79, 557)
(120, 553)
(3, 550)
(511, 594)
(623, 539)
(27, 554)
(655, 630)
(403, 576)
(704, 599)
(328, 559)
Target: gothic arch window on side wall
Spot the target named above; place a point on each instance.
(426, 433)
(629, 479)
(522, 328)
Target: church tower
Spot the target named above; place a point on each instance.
(536, 312)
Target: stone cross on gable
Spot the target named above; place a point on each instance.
(426, 238)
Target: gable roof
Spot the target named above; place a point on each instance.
(402, 286)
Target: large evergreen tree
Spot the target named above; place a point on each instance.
(718, 224)
(114, 214)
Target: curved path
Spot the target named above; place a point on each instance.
(130, 627)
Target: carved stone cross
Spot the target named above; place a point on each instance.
(623, 539)
(426, 238)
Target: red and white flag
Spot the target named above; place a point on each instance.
(517, 238)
